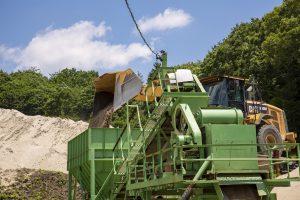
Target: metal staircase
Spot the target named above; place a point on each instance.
(138, 147)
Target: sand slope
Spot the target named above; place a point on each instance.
(35, 142)
(289, 193)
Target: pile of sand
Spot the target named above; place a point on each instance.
(289, 193)
(35, 142)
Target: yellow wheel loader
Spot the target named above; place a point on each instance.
(270, 121)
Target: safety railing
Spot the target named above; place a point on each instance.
(154, 167)
(161, 83)
(270, 160)
(149, 127)
(126, 138)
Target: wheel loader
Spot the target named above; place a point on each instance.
(270, 121)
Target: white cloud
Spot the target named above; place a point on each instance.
(154, 40)
(8, 54)
(169, 19)
(81, 46)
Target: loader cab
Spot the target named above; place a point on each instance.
(234, 92)
(226, 91)
(243, 94)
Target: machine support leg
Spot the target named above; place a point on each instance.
(92, 174)
(69, 186)
(160, 153)
(218, 192)
(75, 188)
(147, 195)
(298, 155)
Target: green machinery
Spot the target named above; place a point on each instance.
(185, 150)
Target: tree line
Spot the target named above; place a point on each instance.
(268, 48)
(67, 93)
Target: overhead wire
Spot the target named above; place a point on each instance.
(140, 32)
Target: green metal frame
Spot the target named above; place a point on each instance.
(196, 154)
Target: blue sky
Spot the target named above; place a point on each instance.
(100, 35)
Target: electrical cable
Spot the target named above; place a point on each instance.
(140, 32)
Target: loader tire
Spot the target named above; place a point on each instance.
(268, 134)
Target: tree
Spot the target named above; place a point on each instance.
(269, 49)
(68, 93)
(25, 91)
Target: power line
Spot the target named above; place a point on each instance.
(140, 32)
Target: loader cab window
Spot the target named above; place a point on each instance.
(236, 94)
(226, 93)
(252, 93)
(217, 92)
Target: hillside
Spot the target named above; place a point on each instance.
(35, 142)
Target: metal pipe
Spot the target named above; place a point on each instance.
(123, 131)
(241, 144)
(105, 182)
(298, 155)
(242, 159)
(202, 169)
(188, 191)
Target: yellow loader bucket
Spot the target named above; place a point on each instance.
(112, 90)
(148, 93)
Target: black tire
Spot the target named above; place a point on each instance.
(268, 134)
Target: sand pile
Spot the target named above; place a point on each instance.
(35, 142)
(289, 193)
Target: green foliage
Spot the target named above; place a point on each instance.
(68, 93)
(25, 91)
(119, 117)
(193, 66)
(73, 95)
(39, 184)
(8, 196)
(269, 49)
